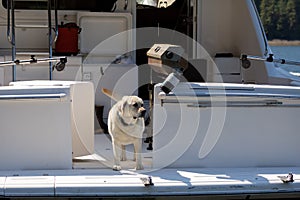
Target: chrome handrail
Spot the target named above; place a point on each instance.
(11, 33)
(246, 60)
(34, 60)
(51, 41)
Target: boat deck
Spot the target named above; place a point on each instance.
(92, 176)
(103, 156)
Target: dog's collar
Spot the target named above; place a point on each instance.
(122, 120)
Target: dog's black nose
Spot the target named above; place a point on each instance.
(143, 113)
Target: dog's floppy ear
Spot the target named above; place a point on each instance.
(123, 104)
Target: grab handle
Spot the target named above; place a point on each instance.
(32, 96)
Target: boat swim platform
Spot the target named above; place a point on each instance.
(166, 182)
(92, 176)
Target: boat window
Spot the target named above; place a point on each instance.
(90, 5)
(87, 5)
(156, 3)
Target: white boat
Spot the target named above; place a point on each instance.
(232, 133)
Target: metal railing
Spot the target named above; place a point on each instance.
(11, 33)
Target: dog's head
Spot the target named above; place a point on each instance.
(132, 106)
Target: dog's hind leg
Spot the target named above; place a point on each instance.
(116, 151)
(123, 154)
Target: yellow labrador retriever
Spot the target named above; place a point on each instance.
(126, 126)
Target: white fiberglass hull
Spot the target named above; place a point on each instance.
(247, 157)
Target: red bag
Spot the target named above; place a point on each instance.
(67, 40)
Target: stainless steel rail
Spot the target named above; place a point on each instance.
(246, 60)
(238, 99)
(33, 60)
(163, 96)
(11, 33)
(51, 41)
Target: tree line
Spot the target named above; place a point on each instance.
(281, 18)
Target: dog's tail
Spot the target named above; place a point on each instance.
(111, 94)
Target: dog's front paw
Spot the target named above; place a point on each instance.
(139, 167)
(116, 167)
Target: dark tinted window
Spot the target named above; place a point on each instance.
(90, 5)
